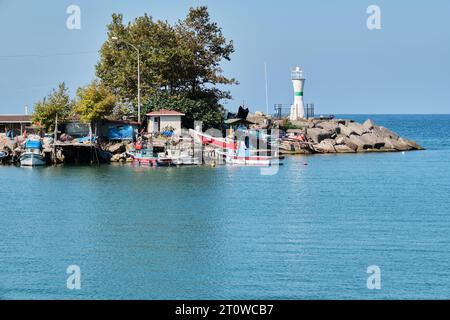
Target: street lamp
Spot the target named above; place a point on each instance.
(139, 73)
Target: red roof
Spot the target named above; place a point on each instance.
(15, 118)
(164, 112)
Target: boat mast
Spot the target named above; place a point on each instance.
(267, 89)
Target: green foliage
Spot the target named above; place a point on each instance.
(58, 103)
(94, 102)
(287, 125)
(180, 62)
(206, 110)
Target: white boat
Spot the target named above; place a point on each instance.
(33, 154)
(182, 158)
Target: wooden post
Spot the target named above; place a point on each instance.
(55, 138)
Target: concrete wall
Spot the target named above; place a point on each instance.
(165, 121)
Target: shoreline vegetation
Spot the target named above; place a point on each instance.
(146, 66)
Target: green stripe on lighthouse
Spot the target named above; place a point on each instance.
(299, 94)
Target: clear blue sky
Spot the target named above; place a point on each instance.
(402, 68)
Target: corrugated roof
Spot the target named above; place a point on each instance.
(164, 112)
(15, 118)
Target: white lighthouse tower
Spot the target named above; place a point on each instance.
(298, 108)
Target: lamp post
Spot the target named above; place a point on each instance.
(138, 73)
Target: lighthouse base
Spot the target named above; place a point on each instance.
(297, 113)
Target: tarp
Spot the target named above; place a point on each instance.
(121, 132)
(33, 144)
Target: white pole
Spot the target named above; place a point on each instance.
(139, 86)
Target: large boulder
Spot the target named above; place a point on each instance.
(362, 144)
(346, 131)
(369, 124)
(342, 148)
(325, 146)
(374, 140)
(357, 128)
(329, 126)
(391, 144)
(385, 133)
(116, 148)
(318, 135)
(413, 145)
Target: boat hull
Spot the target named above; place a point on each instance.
(32, 160)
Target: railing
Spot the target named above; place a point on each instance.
(284, 110)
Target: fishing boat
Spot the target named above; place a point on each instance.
(33, 154)
(238, 152)
(164, 160)
(143, 157)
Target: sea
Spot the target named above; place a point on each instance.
(353, 226)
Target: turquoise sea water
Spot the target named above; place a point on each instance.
(308, 232)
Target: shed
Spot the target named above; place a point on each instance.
(14, 122)
(163, 120)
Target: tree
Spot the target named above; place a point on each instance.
(179, 62)
(57, 103)
(94, 102)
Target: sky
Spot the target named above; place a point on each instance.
(403, 67)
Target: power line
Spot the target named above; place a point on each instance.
(46, 55)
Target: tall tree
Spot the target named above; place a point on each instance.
(94, 102)
(177, 61)
(58, 103)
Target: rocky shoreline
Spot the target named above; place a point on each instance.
(343, 136)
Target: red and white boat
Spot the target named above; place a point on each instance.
(235, 152)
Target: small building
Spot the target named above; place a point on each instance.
(15, 123)
(164, 120)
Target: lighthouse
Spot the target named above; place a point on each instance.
(298, 108)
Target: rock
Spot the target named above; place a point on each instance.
(318, 135)
(116, 158)
(340, 139)
(325, 146)
(287, 146)
(395, 145)
(302, 124)
(362, 144)
(344, 149)
(385, 133)
(346, 131)
(116, 148)
(413, 145)
(330, 126)
(357, 128)
(375, 141)
(9, 144)
(369, 124)
(129, 146)
(351, 145)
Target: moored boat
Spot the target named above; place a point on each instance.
(33, 154)
(238, 152)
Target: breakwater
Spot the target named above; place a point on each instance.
(343, 136)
